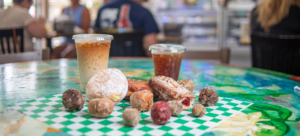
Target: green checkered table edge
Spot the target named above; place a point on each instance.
(51, 111)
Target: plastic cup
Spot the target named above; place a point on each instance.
(92, 55)
(167, 59)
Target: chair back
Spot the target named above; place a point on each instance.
(10, 37)
(276, 52)
(127, 44)
(12, 47)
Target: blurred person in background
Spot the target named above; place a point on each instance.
(274, 31)
(81, 17)
(106, 1)
(125, 16)
(17, 16)
(281, 17)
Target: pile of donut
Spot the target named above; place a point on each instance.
(110, 86)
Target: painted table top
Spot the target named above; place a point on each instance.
(276, 107)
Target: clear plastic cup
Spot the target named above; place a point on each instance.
(167, 59)
(92, 55)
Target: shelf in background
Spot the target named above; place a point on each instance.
(187, 12)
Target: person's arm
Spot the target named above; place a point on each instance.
(148, 40)
(37, 29)
(150, 29)
(86, 20)
(296, 2)
(97, 24)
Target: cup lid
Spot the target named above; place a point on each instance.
(167, 47)
(93, 36)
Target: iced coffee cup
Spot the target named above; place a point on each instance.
(92, 55)
(167, 59)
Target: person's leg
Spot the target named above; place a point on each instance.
(56, 53)
(69, 52)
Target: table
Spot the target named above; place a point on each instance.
(276, 103)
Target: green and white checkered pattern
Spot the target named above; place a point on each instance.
(51, 111)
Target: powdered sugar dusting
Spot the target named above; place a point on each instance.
(173, 84)
(108, 83)
(169, 90)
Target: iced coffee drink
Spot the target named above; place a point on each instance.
(92, 55)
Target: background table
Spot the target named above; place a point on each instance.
(273, 94)
(52, 35)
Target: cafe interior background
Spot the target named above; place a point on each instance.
(198, 24)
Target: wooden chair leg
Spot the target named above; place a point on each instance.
(46, 54)
(16, 43)
(2, 45)
(225, 55)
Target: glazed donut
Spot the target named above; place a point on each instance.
(73, 100)
(131, 117)
(142, 100)
(101, 107)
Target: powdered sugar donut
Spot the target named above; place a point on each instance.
(108, 83)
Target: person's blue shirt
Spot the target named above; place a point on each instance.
(76, 16)
(139, 17)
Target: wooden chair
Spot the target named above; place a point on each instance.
(12, 47)
(223, 55)
(126, 44)
(276, 52)
(7, 35)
